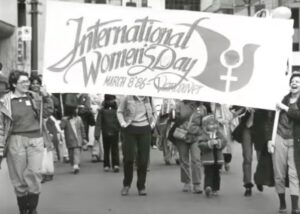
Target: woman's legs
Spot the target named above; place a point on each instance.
(196, 167)
(107, 147)
(115, 152)
(143, 154)
(280, 165)
(183, 149)
(129, 146)
(24, 162)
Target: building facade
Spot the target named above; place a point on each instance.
(8, 34)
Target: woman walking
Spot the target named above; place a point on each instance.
(137, 117)
(189, 116)
(25, 144)
(286, 159)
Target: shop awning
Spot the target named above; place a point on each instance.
(6, 29)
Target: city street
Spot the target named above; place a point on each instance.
(94, 191)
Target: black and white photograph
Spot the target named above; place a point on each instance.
(149, 106)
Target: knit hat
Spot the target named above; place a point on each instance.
(109, 97)
(208, 119)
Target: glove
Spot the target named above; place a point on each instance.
(97, 138)
(271, 146)
(218, 144)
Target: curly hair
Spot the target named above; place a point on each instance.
(37, 78)
(14, 76)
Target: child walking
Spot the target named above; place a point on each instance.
(211, 143)
(107, 123)
(75, 137)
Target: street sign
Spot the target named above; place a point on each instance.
(20, 47)
(26, 33)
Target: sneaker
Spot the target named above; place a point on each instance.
(75, 169)
(248, 192)
(208, 191)
(296, 211)
(282, 210)
(116, 169)
(227, 167)
(186, 187)
(197, 189)
(142, 192)
(125, 191)
(95, 159)
(215, 193)
(66, 160)
(106, 169)
(154, 147)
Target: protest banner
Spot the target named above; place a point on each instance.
(166, 53)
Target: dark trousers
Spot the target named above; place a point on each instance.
(212, 176)
(136, 146)
(111, 147)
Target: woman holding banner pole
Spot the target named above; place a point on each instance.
(286, 159)
(25, 145)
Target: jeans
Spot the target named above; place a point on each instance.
(185, 151)
(283, 160)
(136, 146)
(247, 148)
(74, 155)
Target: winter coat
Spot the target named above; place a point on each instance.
(295, 116)
(5, 128)
(73, 140)
(212, 155)
(107, 121)
(185, 112)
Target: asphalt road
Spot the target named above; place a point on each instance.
(94, 191)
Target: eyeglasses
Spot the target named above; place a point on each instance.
(23, 82)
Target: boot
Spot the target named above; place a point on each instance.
(22, 204)
(282, 204)
(295, 208)
(248, 191)
(33, 202)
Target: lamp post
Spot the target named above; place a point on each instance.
(34, 44)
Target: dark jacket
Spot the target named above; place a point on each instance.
(185, 112)
(295, 116)
(107, 122)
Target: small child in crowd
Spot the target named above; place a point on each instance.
(107, 123)
(75, 136)
(211, 143)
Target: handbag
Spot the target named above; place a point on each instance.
(180, 133)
